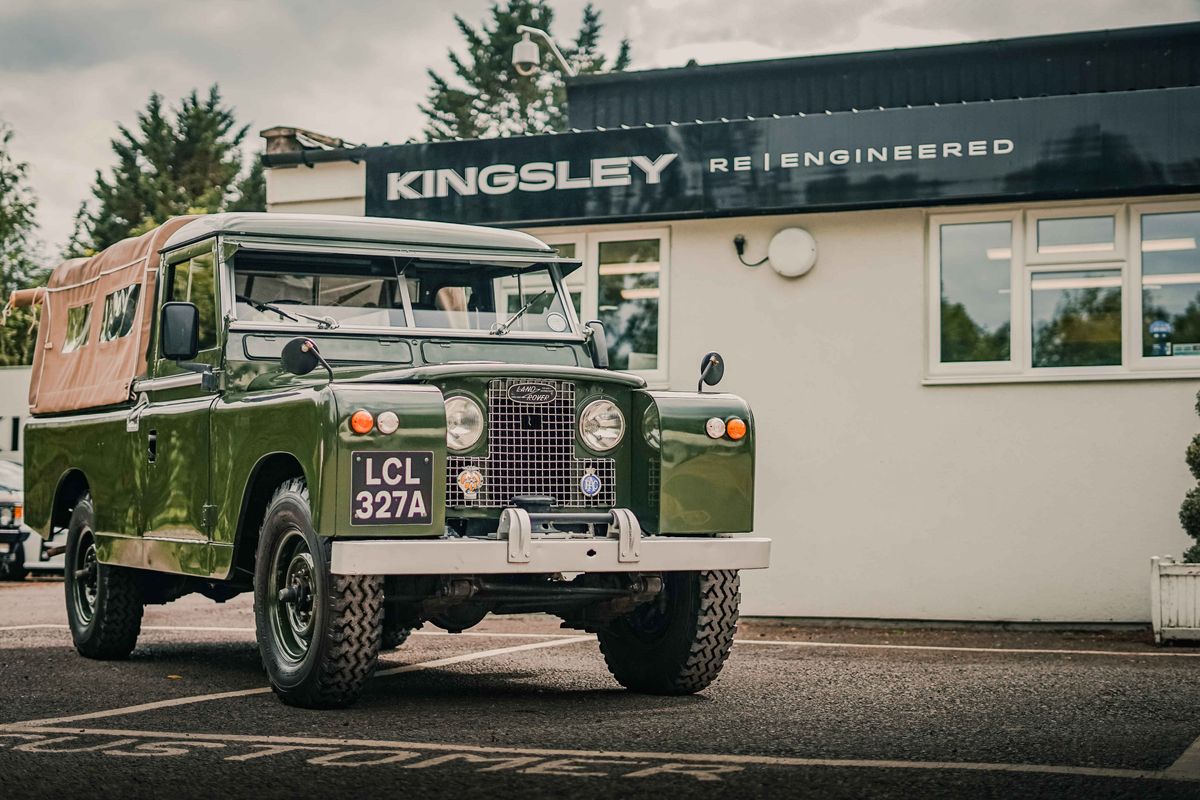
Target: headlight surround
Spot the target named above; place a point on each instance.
(652, 426)
(464, 423)
(601, 425)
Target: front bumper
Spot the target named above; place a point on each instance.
(518, 549)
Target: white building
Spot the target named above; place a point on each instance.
(962, 411)
(14, 408)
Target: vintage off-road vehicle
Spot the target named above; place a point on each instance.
(373, 424)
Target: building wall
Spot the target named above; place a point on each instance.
(14, 408)
(888, 498)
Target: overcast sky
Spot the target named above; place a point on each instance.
(71, 71)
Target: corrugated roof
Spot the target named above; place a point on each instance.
(1077, 63)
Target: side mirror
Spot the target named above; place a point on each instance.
(712, 369)
(300, 356)
(180, 331)
(599, 344)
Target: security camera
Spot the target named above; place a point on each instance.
(526, 57)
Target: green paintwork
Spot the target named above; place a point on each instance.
(182, 511)
(693, 484)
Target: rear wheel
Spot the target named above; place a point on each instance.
(318, 633)
(677, 643)
(104, 606)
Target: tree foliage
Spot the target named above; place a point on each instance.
(185, 160)
(19, 268)
(486, 97)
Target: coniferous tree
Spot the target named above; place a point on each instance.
(19, 267)
(489, 98)
(182, 161)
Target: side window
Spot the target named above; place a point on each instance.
(79, 326)
(194, 281)
(120, 312)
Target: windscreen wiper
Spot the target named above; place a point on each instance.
(324, 323)
(501, 328)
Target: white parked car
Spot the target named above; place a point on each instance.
(21, 550)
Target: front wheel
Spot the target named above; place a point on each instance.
(104, 605)
(318, 633)
(677, 643)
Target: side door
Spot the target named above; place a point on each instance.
(175, 426)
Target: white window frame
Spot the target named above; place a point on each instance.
(1136, 279)
(1026, 261)
(591, 296)
(1120, 240)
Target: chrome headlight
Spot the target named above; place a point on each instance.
(6, 516)
(464, 423)
(601, 425)
(651, 427)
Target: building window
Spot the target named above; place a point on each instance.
(976, 289)
(79, 325)
(1170, 284)
(623, 283)
(1060, 293)
(120, 313)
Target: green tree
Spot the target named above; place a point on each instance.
(19, 267)
(490, 98)
(185, 160)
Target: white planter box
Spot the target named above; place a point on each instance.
(1175, 599)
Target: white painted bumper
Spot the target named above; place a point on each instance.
(546, 555)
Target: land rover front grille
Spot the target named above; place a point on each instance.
(531, 451)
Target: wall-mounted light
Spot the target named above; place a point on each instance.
(792, 252)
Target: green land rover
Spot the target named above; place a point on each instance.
(374, 424)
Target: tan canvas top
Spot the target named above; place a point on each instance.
(98, 366)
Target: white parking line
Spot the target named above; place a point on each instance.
(1187, 766)
(201, 698)
(684, 758)
(773, 642)
(954, 649)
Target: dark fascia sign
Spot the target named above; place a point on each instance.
(1132, 143)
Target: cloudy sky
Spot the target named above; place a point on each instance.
(71, 71)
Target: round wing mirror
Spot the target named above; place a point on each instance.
(299, 356)
(712, 369)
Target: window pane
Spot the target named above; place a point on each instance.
(202, 294)
(976, 291)
(120, 312)
(1076, 318)
(79, 324)
(629, 302)
(1171, 284)
(565, 249)
(1076, 235)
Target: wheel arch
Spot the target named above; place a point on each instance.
(71, 486)
(267, 475)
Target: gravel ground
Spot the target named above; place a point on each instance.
(801, 710)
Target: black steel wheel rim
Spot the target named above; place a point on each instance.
(85, 581)
(291, 597)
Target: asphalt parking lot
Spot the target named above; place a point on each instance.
(517, 707)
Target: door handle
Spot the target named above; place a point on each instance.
(152, 446)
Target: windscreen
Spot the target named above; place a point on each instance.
(331, 292)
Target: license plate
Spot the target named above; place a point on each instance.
(391, 487)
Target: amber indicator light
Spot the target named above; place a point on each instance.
(735, 429)
(361, 421)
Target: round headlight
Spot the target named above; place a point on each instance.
(6, 516)
(464, 423)
(601, 425)
(651, 428)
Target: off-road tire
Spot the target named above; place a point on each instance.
(112, 630)
(394, 634)
(677, 643)
(346, 613)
